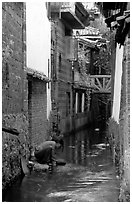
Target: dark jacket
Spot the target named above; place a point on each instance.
(45, 152)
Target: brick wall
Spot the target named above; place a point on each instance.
(14, 90)
(37, 111)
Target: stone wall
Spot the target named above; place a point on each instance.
(119, 134)
(125, 124)
(62, 70)
(14, 90)
(14, 146)
(62, 81)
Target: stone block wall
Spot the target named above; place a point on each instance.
(10, 158)
(14, 90)
(14, 146)
(12, 57)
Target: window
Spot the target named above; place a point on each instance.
(67, 103)
(79, 102)
(68, 32)
(60, 62)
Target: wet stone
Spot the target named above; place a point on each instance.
(40, 167)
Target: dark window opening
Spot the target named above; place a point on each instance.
(60, 62)
(68, 32)
(67, 103)
(79, 102)
(85, 102)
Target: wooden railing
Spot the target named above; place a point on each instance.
(100, 83)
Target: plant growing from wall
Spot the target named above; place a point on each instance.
(101, 59)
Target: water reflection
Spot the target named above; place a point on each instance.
(88, 164)
(80, 144)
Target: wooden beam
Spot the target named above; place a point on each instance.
(100, 76)
(104, 82)
(102, 92)
(10, 130)
(95, 86)
(109, 82)
(99, 83)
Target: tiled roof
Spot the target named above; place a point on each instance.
(88, 31)
(37, 74)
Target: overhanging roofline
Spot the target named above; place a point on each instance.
(37, 74)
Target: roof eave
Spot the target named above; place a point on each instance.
(37, 74)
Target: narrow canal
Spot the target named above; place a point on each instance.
(88, 176)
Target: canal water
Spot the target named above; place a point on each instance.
(88, 176)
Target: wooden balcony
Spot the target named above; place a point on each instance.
(73, 14)
(100, 83)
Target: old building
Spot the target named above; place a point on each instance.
(97, 73)
(81, 77)
(118, 19)
(25, 84)
(64, 18)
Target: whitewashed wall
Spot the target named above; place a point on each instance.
(117, 83)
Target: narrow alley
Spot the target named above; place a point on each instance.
(88, 176)
(65, 101)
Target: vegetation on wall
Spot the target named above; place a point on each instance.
(101, 60)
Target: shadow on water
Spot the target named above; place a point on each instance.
(88, 175)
